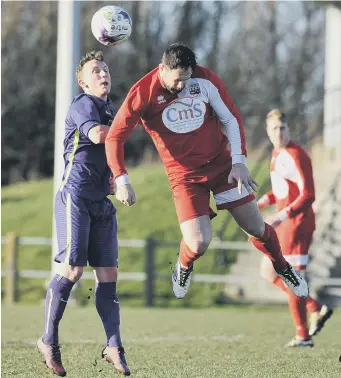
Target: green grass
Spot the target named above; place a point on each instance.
(27, 210)
(233, 342)
(27, 207)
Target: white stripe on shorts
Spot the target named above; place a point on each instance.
(295, 260)
(230, 195)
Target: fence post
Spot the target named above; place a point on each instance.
(150, 271)
(11, 267)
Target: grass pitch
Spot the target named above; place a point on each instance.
(161, 343)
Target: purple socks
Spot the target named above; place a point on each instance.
(108, 308)
(57, 296)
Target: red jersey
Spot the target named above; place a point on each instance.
(189, 129)
(293, 189)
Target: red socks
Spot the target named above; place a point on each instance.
(269, 245)
(186, 256)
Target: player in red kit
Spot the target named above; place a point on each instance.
(199, 135)
(293, 193)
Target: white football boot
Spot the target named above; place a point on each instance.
(317, 320)
(297, 342)
(181, 279)
(295, 282)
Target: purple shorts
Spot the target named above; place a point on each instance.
(86, 231)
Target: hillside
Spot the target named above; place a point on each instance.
(27, 210)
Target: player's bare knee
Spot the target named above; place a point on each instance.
(106, 274)
(199, 247)
(73, 273)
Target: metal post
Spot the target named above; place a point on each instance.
(332, 83)
(11, 267)
(68, 55)
(150, 271)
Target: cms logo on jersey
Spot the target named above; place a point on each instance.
(184, 115)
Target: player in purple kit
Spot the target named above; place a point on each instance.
(85, 217)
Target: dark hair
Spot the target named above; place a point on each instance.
(179, 55)
(92, 55)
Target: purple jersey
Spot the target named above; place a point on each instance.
(86, 171)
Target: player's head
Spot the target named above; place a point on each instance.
(277, 128)
(176, 67)
(93, 75)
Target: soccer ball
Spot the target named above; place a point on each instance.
(111, 25)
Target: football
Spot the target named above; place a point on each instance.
(111, 25)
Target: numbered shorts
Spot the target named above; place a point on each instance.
(86, 231)
(192, 193)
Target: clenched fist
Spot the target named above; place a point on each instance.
(126, 194)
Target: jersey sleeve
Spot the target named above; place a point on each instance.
(229, 116)
(84, 114)
(305, 183)
(123, 124)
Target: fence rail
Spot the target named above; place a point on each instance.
(12, 274)
(215, 244)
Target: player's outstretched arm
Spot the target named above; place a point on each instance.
(233, 128)
(124, 123)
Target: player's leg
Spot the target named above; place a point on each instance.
(245, 211)
(194, 213)
(103, 257)
(196, 238)
(296, 306)
(72, 224)
(264, 238)
(197, 235)
(299, 316)
(319, 314)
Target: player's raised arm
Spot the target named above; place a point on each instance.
(232, 127)
(124, 123)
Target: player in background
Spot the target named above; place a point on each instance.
(85, 218)
(199, 135)
(293, 194)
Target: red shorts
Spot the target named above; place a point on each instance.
(295, 246)
(192, 193)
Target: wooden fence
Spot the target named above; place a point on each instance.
(149, 276)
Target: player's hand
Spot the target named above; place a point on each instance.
(126, 194)
(273, 220)
(112, 186)
(240, 174)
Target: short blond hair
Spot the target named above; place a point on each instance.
(92, 55)
(277, 114)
